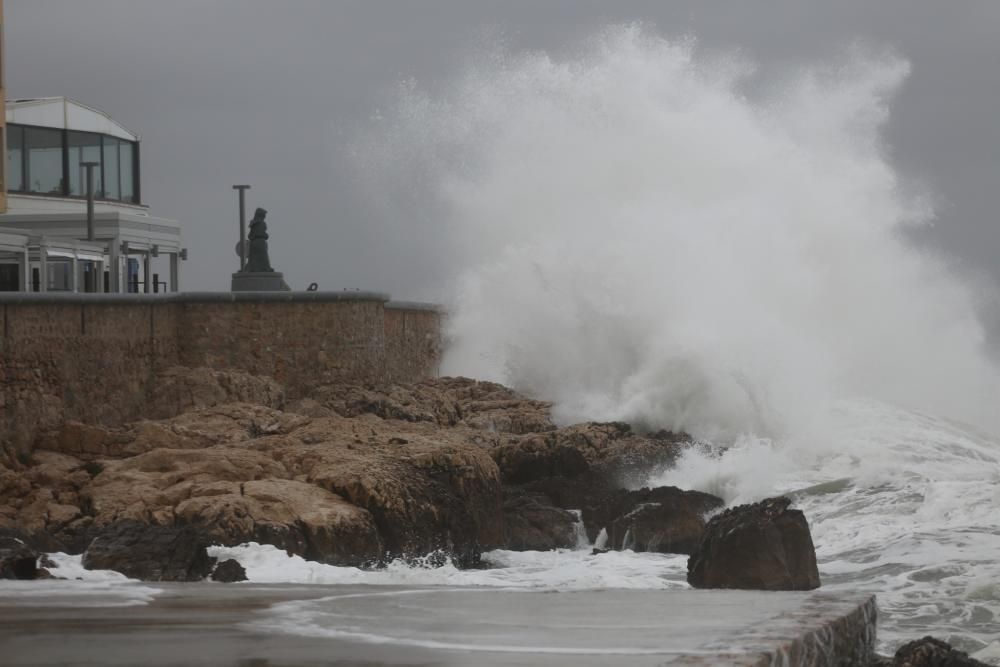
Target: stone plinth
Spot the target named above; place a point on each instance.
(244, 281)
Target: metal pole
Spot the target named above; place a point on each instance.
(90, 198)
(243, 224)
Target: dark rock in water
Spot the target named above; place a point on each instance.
(602, 504)
(17, 561)
(534, 524)
(589, 492)
(931, 652)
(150, 553)
(39, 541)
(664, 519)
(229, 571)
(597, 552)
(763, 546)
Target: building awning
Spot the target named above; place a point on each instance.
(84, 255)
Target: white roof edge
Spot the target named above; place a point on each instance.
(112, 215)
(66, 103)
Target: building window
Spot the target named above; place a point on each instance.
(15, 155)
(43, 152)
(126, 161)
(132, 275)
(111, 189)
(83, 147)
(60, 276)
(36, 155)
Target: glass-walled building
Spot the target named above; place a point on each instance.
(48, 161)
(46, 241)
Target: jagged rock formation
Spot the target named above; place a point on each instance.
(350, 475)
(929, 652)
(763, 546)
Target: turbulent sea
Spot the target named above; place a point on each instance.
(904, 507)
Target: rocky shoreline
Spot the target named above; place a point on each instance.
(361, 475)
(350, 476)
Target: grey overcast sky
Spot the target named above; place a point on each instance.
(269, 92)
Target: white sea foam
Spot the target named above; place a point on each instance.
(563, 569)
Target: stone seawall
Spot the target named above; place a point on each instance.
(412, 340)
(96, 358)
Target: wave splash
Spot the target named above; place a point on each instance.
(651, 234)
(648, 233)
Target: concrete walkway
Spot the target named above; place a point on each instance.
(268, 625)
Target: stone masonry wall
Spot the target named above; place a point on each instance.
(95, 358)
(301, 345)
(412, 340)
(89, 361)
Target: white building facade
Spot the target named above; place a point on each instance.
(48, 243)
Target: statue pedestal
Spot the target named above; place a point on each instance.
(259, 282)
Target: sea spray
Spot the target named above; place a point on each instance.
(639, 232)
(645, 233)
(580, 531)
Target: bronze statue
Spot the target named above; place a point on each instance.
(257, 259)
(257, 275)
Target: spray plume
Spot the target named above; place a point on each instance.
(636, 237)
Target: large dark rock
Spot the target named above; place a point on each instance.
(664, 519)
(150, 553)
(534, 524)
(931, 652)
(17, 560)
(229, 571)
(763, 546)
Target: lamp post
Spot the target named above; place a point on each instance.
(89, 166)
(243, 224)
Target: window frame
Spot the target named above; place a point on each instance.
(65, 194)
(26, 162)
(23, 166)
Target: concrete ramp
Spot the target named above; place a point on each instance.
(245, 624)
